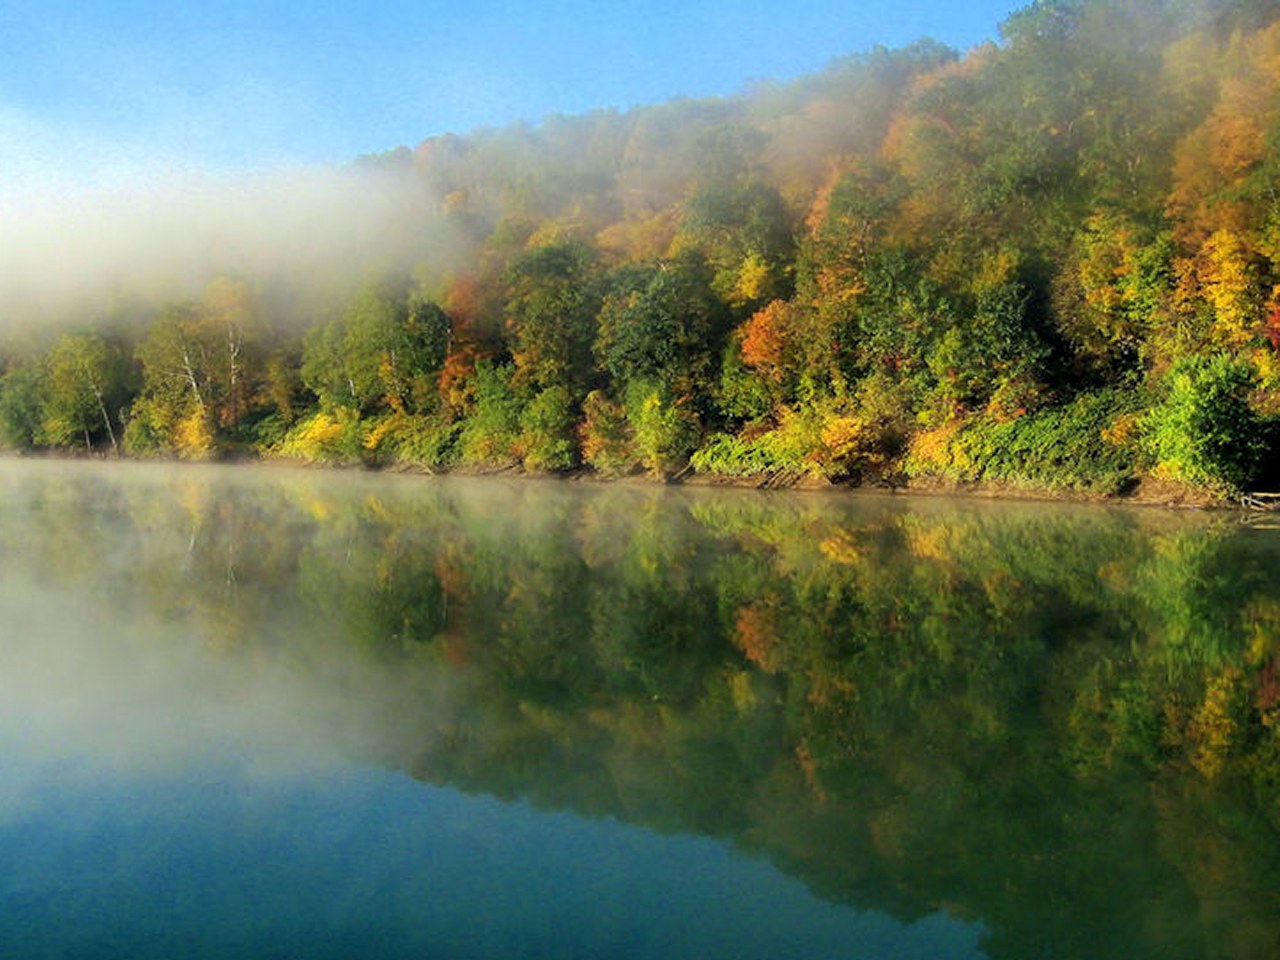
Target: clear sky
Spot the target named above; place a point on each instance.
(99, 90)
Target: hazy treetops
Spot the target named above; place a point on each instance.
(908, 265)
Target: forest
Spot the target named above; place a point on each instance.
(1051, 262)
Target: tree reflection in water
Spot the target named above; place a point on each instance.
(1060, 721)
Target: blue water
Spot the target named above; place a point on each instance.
(225, 861)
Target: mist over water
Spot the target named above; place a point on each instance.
(123, 626)
(217, 668)
(397, 713)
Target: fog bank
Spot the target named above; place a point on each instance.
(68, 257)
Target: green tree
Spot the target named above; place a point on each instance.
(664, 428)
(551, 306)
(231, 327)
(742, 228)
(547, 431)
(1203, 432)
(661, 321)
(20, 401)
(381, 353)
(491, 432)
(85, 375)
(177, 406)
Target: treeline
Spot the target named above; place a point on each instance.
(1052, 261)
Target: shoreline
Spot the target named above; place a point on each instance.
(1147, 491)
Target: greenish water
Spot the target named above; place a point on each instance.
(258, 713)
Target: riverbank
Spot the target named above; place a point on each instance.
(1144, 490)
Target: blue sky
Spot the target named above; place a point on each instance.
(92, 91)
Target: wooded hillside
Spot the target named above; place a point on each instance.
(1052, 261)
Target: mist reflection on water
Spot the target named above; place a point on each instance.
(243, 708)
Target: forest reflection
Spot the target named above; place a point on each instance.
(1059, 721)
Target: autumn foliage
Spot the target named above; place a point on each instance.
(882, 268)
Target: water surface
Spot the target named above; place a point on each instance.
(275, 713)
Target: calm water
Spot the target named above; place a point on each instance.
(250, 713)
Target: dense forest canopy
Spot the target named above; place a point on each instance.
(1051, 261)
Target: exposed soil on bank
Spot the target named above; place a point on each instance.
(1147, 491)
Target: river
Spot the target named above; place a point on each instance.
(255, 712)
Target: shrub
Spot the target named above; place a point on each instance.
(817, 440)
(416, 439)
(1076, 446)
(325, 437)
(146, 430)
(794, 445)
(546, 431)
(1203, 432)
(268, 431)
(429, 442)
(154, 429)
(193, 436)
(490, 434)
(731, 456)
(20, 407)
(665, 429)
(606, 435)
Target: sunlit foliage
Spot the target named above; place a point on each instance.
(910, 243)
